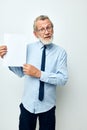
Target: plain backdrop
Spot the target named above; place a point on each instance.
(70, 28)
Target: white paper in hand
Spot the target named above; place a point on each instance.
(16, 47)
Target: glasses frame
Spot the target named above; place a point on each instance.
(43, 30)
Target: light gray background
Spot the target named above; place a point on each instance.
(70, 24)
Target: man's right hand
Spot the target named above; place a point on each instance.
(3, 50)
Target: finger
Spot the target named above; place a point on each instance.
(3, 50)
(25, 69)
(25, 65)
(3, 47)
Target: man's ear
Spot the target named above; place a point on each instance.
(35, 33)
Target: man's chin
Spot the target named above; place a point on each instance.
(46, 42)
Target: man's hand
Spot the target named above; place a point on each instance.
(3, 51)
(31, 70)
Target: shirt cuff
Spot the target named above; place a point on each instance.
(44, 76)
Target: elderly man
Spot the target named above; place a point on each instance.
(45, 69)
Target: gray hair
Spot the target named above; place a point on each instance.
(41, 17)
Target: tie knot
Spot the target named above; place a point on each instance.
(44, 46)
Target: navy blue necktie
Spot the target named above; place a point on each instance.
(41, 88)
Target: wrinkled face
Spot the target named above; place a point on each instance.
(44, 31)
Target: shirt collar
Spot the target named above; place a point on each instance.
(47, 46)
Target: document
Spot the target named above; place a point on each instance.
(16, 49)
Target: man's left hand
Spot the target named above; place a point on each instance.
(31, 70)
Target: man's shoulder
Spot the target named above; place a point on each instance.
(32, 44)
(58, 47)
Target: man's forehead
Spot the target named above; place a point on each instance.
(43, 22)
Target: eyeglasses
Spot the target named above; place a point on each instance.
(43, 30)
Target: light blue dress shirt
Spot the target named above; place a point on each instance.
(55, 75)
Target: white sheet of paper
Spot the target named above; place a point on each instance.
(16, 47)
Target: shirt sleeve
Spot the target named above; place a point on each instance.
(17, 70)
(60, 77)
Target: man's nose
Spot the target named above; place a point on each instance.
(46, 31)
